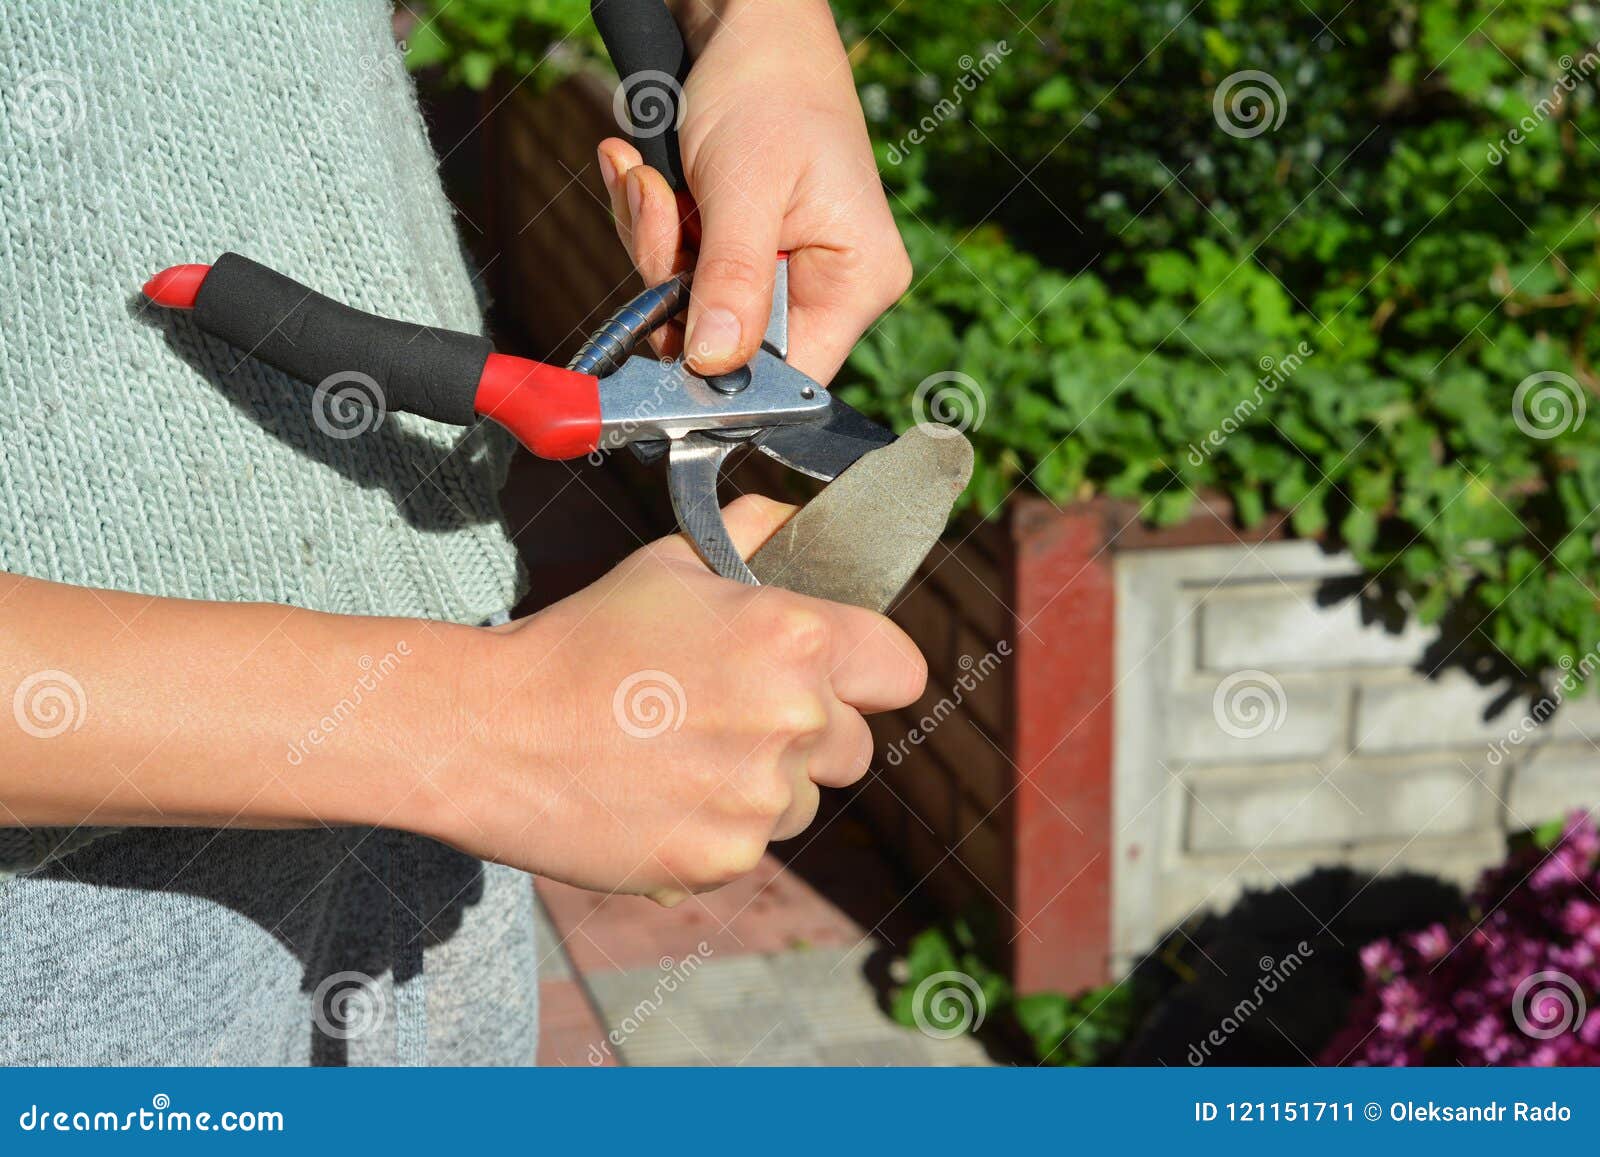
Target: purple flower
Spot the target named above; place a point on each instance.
(1432, 943)
(1512, 985)
(1380, 960)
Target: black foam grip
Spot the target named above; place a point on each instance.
(418, 369)
(647, 48)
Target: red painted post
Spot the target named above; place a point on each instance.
(1065, 672)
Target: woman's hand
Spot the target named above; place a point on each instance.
(655, 731)
(777, 157)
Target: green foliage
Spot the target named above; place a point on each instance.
(533, 42)
(1114, 269)
(1086, 1029)
(951, 951)
(1120, 276)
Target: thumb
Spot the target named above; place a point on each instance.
(751, 519)
(731, 295)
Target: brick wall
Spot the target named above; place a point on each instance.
(1263, 729)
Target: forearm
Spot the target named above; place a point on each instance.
(131, 710)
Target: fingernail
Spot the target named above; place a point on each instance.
(713, 337)
(635, 196)
(608, 171)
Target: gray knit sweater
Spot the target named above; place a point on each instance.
(139, 455)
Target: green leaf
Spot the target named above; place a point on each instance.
(1053, 95)
(1359, 530)
(477, 69)
(1548, 834)
(425, 47)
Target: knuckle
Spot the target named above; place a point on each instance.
(769, 793)
(799, 817)
(735, 264)
(896, 273)
(881, 274)
(679, 862)
(738, 856)
(798, 716)
(850, 755)
(704, 779)
(713, 858)
(799, 635)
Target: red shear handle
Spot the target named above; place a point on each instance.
(415, 369)
(552, 411)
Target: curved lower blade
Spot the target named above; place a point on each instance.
(693, 466)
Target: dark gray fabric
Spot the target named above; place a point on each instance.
(200, 947)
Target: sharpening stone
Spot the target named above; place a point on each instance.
(863, 537)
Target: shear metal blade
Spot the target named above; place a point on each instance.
(826, 448)
(694, 464)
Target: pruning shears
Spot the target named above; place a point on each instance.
(605, 398)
